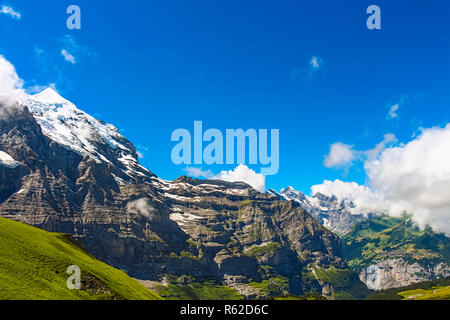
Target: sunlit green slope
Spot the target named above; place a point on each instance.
(33, 265)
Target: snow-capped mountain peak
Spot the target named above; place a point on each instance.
(62, 122)
(293, 194)
(49, 95)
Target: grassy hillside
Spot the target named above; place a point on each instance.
(432, 290)
(384, 237)
(196, 291)
(33, 265)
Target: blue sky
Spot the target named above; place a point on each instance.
(150, 67)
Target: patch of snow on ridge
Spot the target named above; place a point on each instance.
(184, 219)
(5, 157)
(7, 160)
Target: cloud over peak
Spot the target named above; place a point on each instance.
(340, 155)
(241, 173)
(412, 178)
(9, 80)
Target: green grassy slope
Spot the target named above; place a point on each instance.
(33, 265)
(383, 237)
(431, 290)
(196, 291)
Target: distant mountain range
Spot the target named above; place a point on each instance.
(386, 252)
(334, 214)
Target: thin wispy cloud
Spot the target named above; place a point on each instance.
(9, 11)
(314, 64)
(73, 52)
(393, 111)
(47, 62)
(68, 56)
(394, 108)
(141, 150)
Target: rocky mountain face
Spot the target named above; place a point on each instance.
(392, 252)
(64, 171)
(386, 252)
(397, 273)
(334, 214)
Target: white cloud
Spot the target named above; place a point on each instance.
(340, 155)
(343, 155)
(68, 56)
(241, 173)
(198, 173)
(141, 207)
(364, 199)
(9, 80)
(244, 174)
(389, 139)
(11, 88)
(412, 178)
(11, 12)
